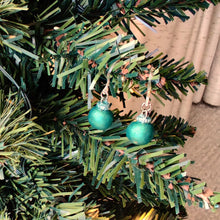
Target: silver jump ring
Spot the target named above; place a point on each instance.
(146, 108)
(104, 96)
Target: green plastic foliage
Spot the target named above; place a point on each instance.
(172, 130)
(70, 50)
(70, 46)
(61, 172)
(19, 136)
(74, 210)
(149, 12)
(109, 163)
(12, 31)
(87, 53)
(31, 173)
(8, 12)
(81, 50)
(37, 190)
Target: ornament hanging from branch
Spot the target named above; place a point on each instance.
(141, 131)
(100, 117)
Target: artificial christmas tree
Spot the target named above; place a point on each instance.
(58, 59)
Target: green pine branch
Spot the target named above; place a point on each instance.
(51, 189)
(172, 130)
(168, 10)
(19, 136)
(73, 51)
(118, 51)
(64, 172)
(148, 12)
(9, 19)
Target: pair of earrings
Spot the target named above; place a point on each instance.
(139, 132)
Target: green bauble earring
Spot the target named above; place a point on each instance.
(100, 117)
(141, 131)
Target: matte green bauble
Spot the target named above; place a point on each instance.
(100, 117)
(140, 132)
